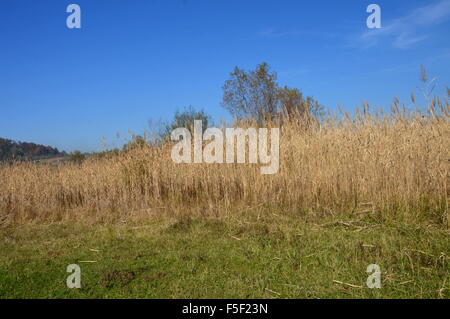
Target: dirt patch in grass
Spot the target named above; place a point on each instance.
(117, 278)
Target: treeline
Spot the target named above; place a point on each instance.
(11, 150)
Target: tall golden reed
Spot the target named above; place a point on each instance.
(371, 162)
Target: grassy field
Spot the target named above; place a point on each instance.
(258, 253)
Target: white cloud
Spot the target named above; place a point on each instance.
(408, 30)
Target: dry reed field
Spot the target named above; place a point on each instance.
(386, 164)
(351, 191)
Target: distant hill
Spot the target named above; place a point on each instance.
(11, 150)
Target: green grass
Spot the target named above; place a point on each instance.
(251, 255)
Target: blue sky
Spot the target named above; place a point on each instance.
(138, 60)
